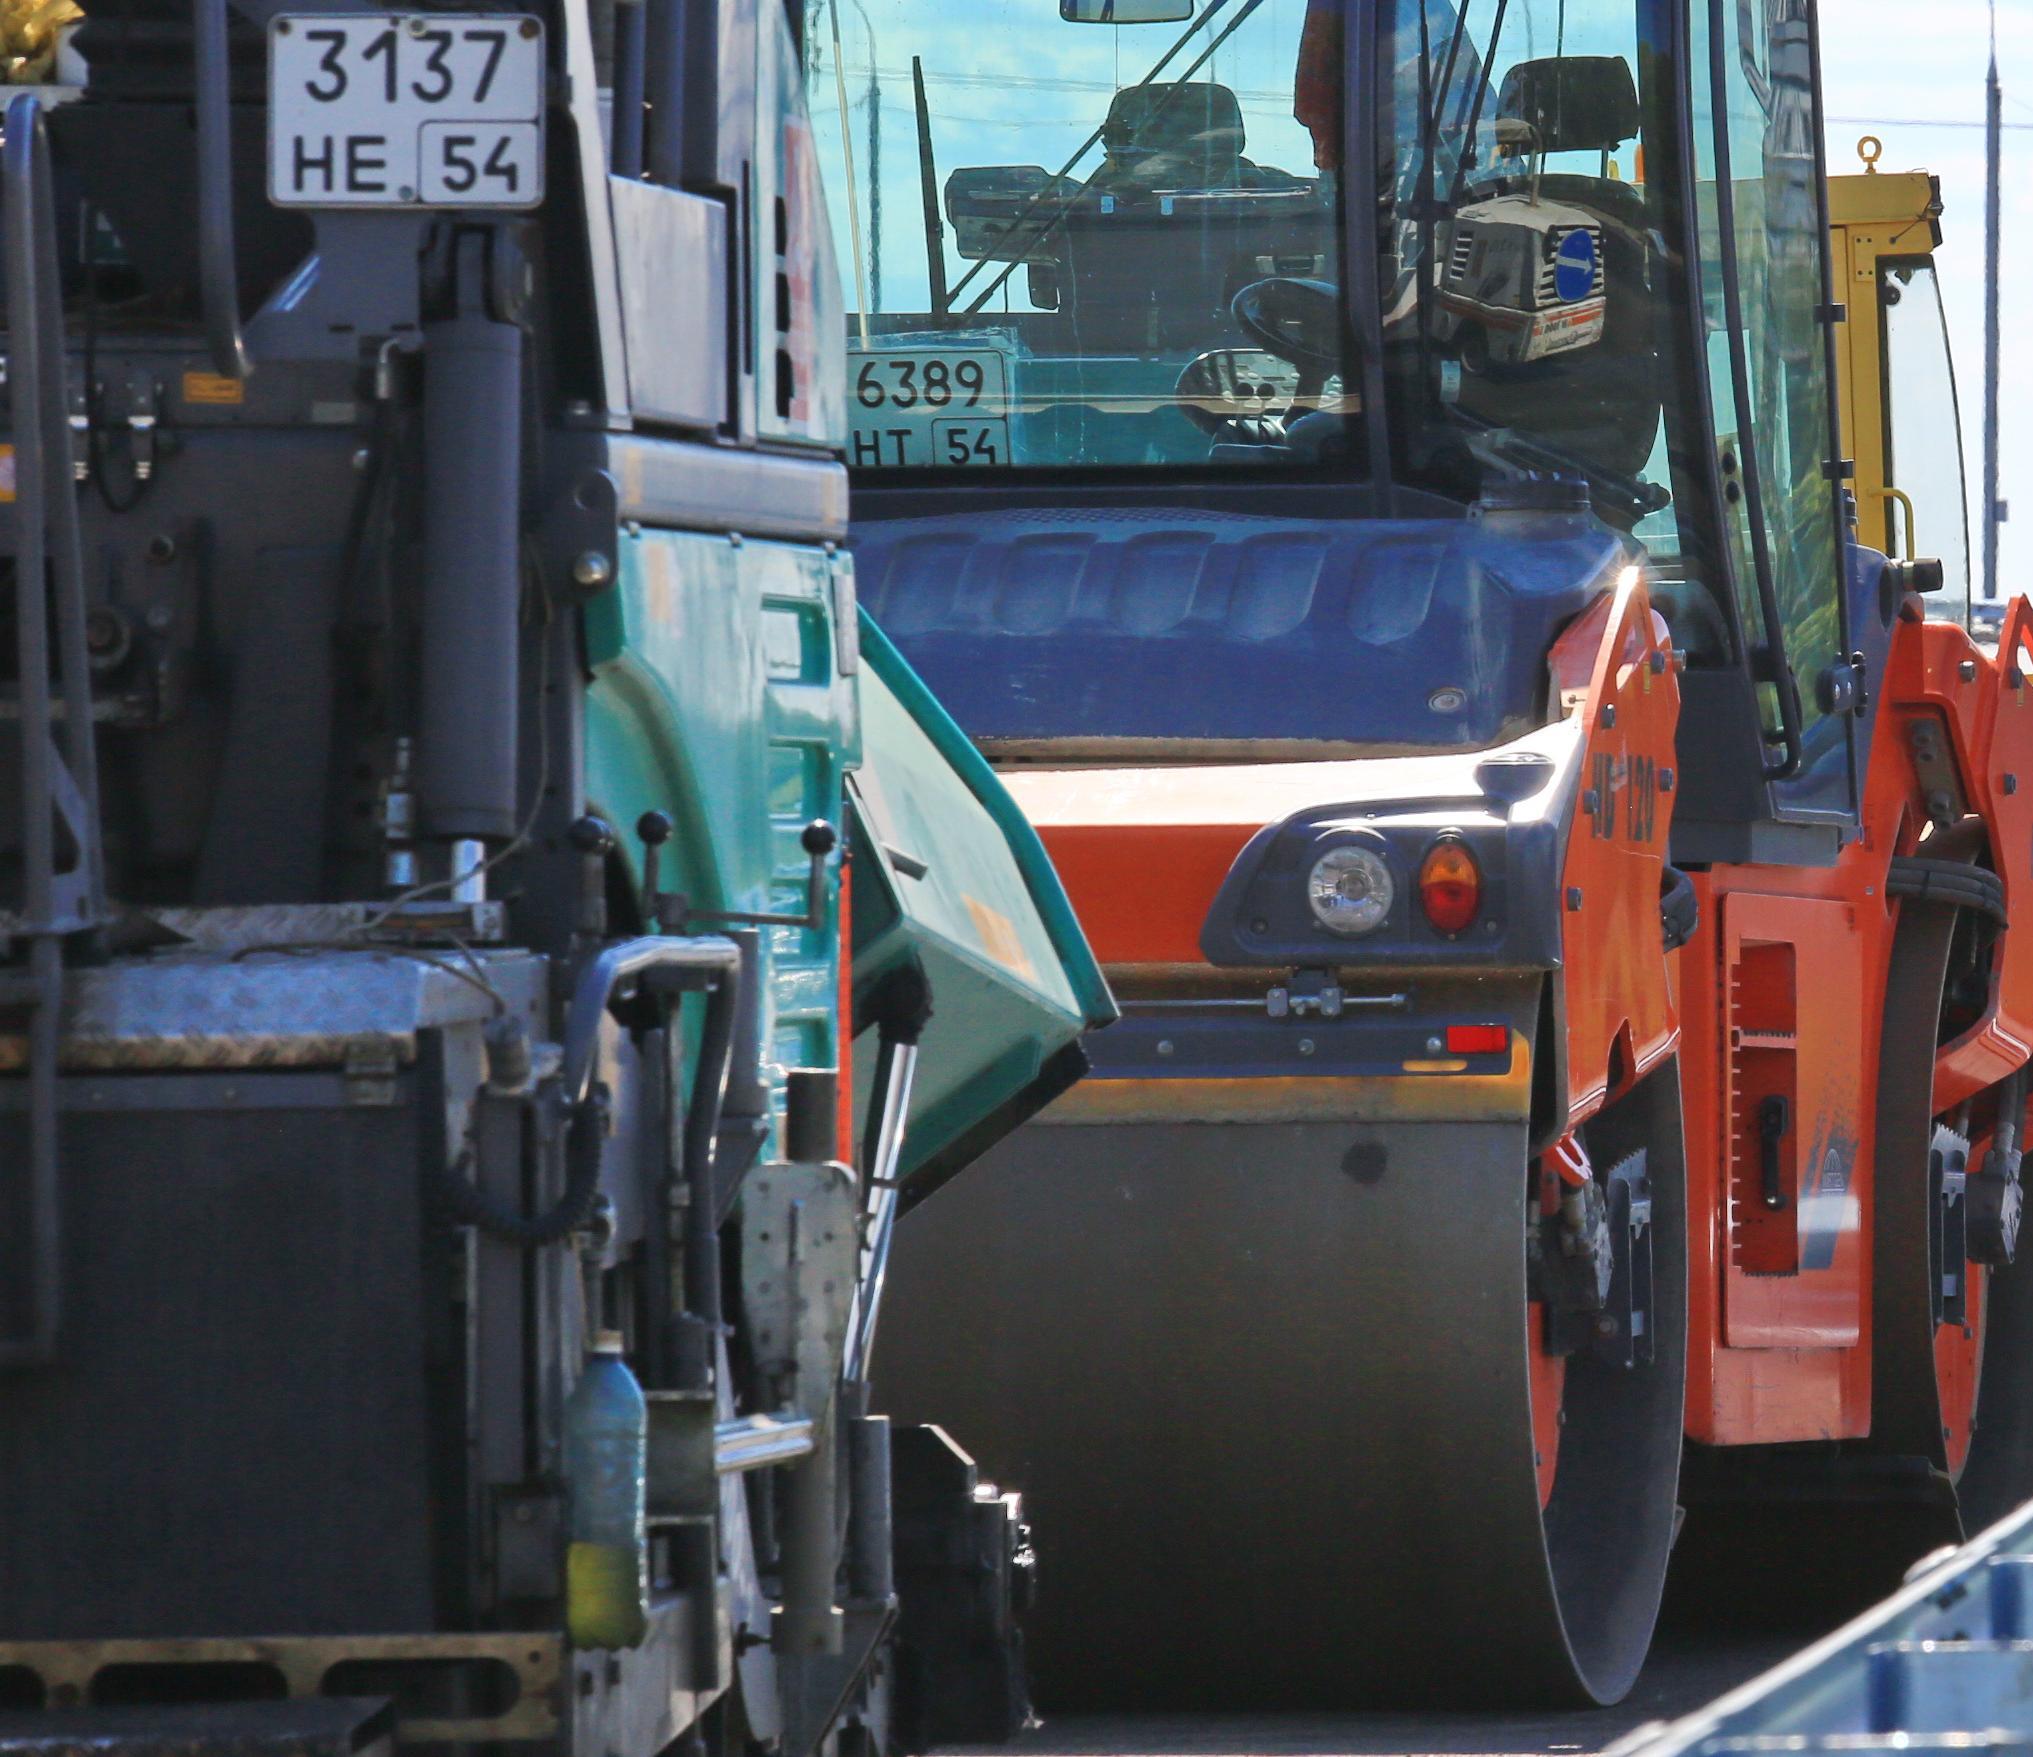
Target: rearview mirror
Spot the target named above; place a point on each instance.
(1125, 11)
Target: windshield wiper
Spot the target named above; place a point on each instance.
(1631, 495)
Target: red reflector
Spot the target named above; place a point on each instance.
(1478, 1039)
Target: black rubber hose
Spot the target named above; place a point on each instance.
(470, 1205)
(1924, 880)
(702, 1125)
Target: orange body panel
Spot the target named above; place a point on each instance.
(1615, 664)
(1779, 995)
(1783, 1354)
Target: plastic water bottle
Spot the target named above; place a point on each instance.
(606, 1461)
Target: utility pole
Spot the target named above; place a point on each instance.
(1994, 132)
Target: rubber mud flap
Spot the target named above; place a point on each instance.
(1265, 1390)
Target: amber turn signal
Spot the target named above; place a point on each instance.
(1450, 886)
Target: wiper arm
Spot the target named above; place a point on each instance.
(1460, 184)
(1632, 494)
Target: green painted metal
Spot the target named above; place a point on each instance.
(718, 697)
(949, 871)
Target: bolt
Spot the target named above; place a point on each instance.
(415, 27)
(1658, 663)
(2010, 783)
(592, 570)
(160, 618)
(1260, 926)
(1164, 1046)
(1967, 671)
(162, 549)
(1573, 896)
(1305, 1046)
(1436, 1045)
(1606, 1327)
(1609, 713)
(363, 460)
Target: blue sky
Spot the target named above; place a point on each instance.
(1896, 70)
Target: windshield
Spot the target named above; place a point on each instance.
(1923, 439)
(1047, 218)
(1521, 250)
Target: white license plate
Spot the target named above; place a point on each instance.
(394, 109)
(918, 408)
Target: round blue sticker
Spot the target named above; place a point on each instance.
(1574, 266)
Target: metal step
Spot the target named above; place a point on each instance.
(328, 1727)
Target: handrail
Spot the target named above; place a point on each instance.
(218, 268)
(1905, 500)
(55, 783)
(1785, 685)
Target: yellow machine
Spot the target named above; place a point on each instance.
(1895, 378)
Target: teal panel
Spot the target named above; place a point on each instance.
(717, 697)
(948, 871)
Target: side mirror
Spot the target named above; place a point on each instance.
(1573, 103)
(1125, 11)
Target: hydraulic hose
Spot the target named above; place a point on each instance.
(470, 1205)
(702, 1126)
(1956, 882)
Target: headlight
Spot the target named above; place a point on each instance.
(1351, 890)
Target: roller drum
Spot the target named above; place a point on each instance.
(1266, 1390)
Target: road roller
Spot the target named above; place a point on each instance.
(1452, 528)
(456, 829)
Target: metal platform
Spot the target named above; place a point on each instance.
(1944, 1664)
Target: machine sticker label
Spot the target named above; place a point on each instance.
(1637, 778)
(214, 389)
(923, 408)
(391, 109)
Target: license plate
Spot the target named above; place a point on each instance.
(917, 408)
(393, 109)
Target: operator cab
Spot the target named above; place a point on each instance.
(1169, 361)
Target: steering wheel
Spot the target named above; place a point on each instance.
(1297, 320)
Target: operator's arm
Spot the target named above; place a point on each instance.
(1316, 86)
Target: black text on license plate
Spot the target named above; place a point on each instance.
(406, 109)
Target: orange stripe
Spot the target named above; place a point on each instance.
(1142, 891)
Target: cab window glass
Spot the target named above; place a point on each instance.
(1764, 113)
(1045, 216)
(1923, 432)
(1521, 252)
